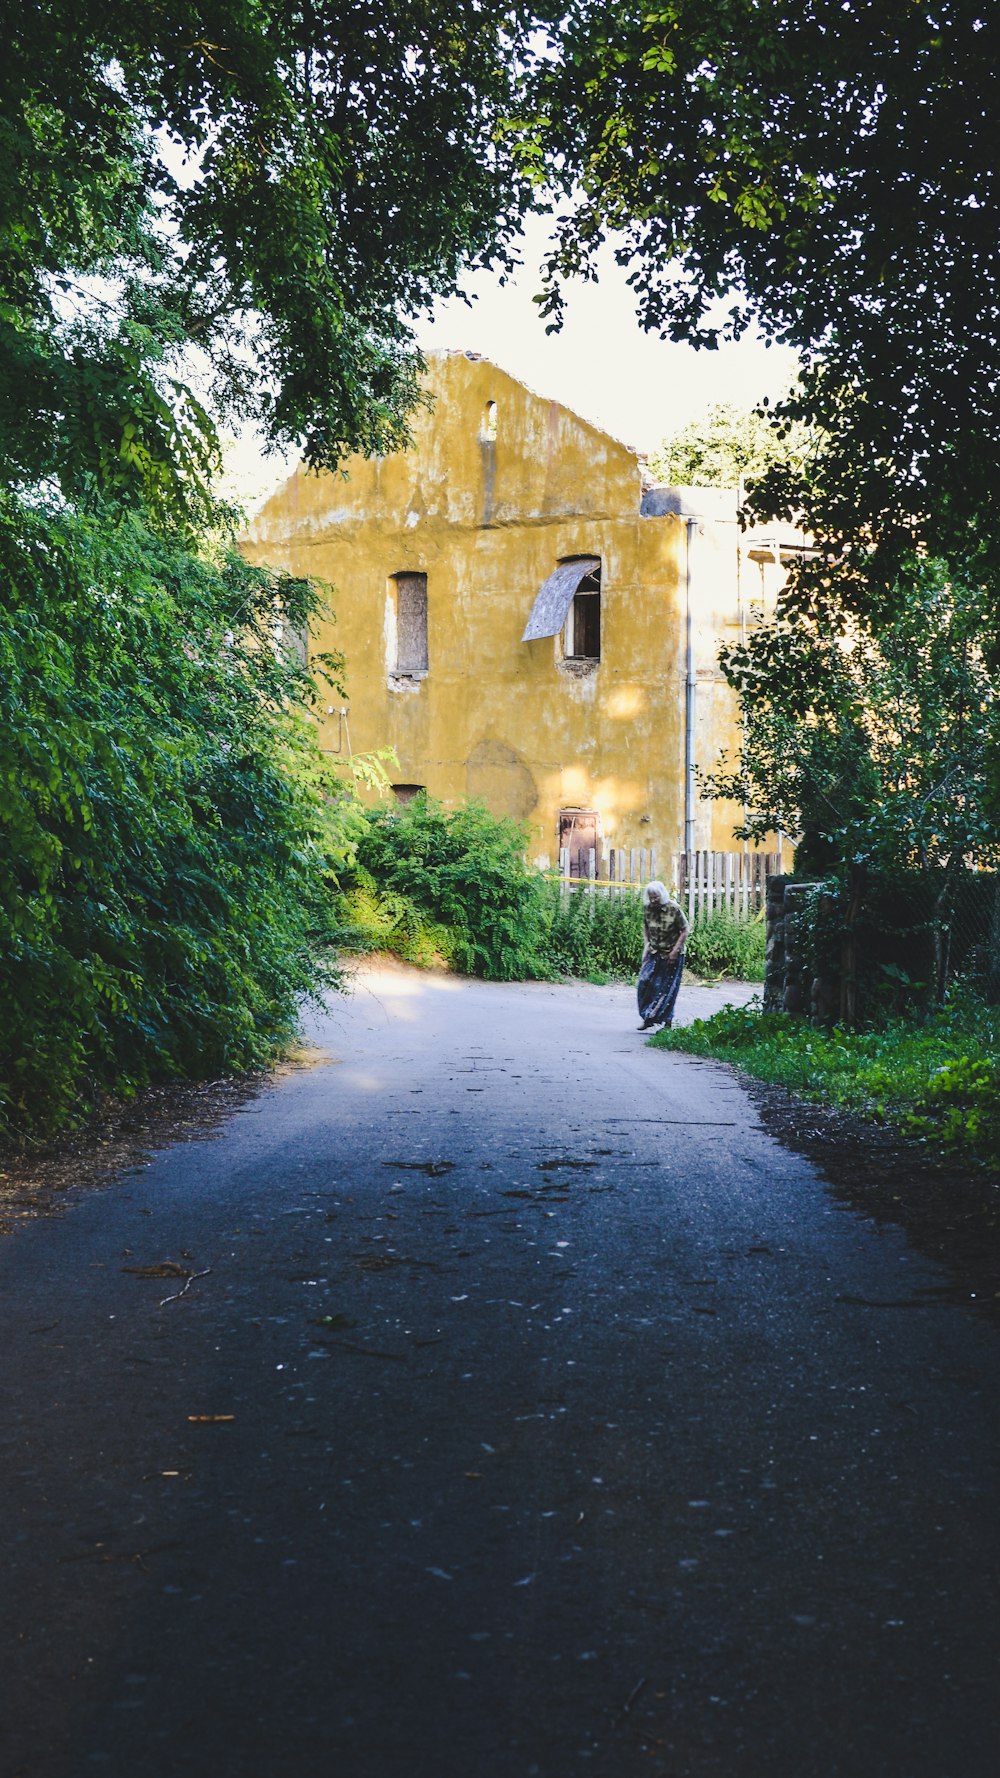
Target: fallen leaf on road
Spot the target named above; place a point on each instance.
(166, 1268)
(363, 1351)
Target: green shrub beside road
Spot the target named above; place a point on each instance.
(163, 847)
(451, 887)
(448, 886)
(937, 1079)
(724, 944)
(594, 936)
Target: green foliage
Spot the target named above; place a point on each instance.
(453, 888)
(938, 1077)
(961, 1105)
(721, 943)
(276, 189)
(596, 936)
(371, 917)
(163, 852)
(869, 743)
(483, 912)
(600, 936)
(729, 445)
(828, 170)
(209, 211)
(448, 882)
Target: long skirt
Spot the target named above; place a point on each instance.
(659, 980)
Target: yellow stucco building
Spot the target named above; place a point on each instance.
(525, 621)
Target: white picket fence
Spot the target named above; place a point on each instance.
(610, 867)
(702, 881)
(733, 880)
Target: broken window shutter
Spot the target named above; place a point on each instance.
(555, 595)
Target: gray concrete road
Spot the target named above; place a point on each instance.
(529, 1413)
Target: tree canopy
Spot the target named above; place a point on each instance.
(727, 446)
(830, 168)
(215, 208)
(209, 210)
(869, 745)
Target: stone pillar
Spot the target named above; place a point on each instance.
(825, 990)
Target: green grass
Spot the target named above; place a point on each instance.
(937, 1079)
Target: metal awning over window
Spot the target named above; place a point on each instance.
(555, 596)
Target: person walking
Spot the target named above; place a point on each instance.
(665, 929)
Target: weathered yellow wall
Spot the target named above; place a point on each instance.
(487, 521)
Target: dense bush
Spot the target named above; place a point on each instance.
(452, 887)
(601, 935)
(595, 935)
(370, 918)
(721, 943)
(448, 882)
(161, 851)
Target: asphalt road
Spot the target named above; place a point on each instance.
(535, 1414)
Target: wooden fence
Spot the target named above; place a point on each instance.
(610, 867)
(702, 881)
(733, 880)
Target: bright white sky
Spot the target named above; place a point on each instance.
(601, 365)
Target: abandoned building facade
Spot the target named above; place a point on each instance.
(526, 623)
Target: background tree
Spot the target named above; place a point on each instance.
(728, 446)
(871, 748)
(830, 168)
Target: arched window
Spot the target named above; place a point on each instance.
(582, 635)
(570, 601)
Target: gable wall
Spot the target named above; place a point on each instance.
(487, 522)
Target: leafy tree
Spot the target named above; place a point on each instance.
(728, 446)
(209, 209)
(871, 748)
(276, 188)
(830, 168)
(162, 862)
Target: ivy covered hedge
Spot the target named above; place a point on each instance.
(162, 852)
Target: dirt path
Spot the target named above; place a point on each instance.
(495, 1399)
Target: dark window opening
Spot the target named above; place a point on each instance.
(555, 596)
(406, 793)
(583, 620)
(411, 624)
(579, 842)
